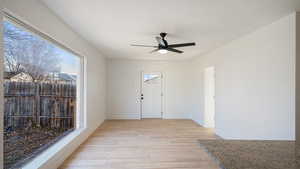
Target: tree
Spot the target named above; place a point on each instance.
(25, 52)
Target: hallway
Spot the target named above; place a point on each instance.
(144, 144)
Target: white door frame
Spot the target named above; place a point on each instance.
(162, 91)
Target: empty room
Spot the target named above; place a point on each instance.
(150, 84)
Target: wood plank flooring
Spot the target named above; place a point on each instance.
(144, 144)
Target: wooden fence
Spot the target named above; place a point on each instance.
(51, 105)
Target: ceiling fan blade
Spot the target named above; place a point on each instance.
(174, 50)
(182, 45)
(155, 50)
(150, 46)
(160, 41)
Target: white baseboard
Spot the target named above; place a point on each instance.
(198, 122)
(137, 116)
(124, 116)
(151, 115)
(227, 135)
(176, 116)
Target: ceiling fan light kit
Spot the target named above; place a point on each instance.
(162, 51)
(163, 47)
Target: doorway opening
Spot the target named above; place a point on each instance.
(151, 95)
(209, 97)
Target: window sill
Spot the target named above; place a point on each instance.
(45, 156)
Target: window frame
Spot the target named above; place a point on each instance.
(80, 118)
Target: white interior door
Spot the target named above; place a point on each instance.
(209, 97)
(151, 95)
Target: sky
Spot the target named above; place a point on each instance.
(69, 63)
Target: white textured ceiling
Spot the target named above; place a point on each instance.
(112, 25)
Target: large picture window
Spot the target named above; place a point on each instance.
(41, 81)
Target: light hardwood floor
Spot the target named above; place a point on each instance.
(144, 144)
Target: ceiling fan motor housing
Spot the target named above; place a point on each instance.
(163, 35)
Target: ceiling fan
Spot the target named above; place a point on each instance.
(163, 46)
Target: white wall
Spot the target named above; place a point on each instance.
(40, 17)
(255, 84)
(124, 87)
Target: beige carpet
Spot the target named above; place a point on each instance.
(235, 154)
